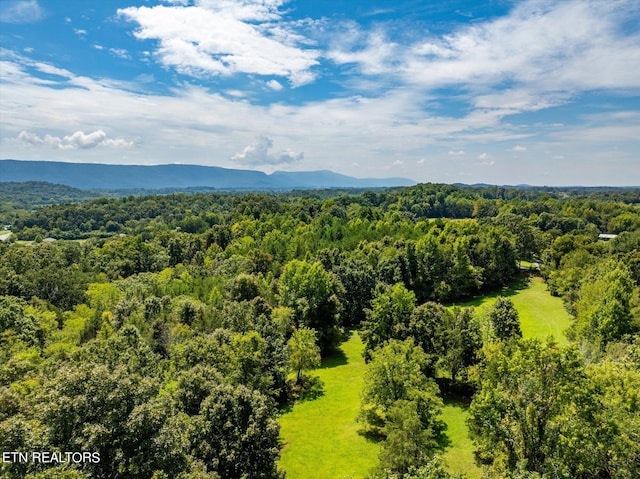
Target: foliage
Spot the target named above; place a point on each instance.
(304, 354)
(390, 311)
(153, 318)
(311, 292)
(537, 410)
(603, 308)
(401, 405)
(504, 319)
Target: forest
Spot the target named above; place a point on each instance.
(166, 335)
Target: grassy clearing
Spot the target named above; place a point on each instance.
(320, 436)
(459, 455)
(540, 313)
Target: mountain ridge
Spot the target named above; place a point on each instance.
(175, 175)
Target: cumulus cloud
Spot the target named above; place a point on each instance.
(20, 11)
(76, 140)
(257, 154)
(456, 153)
(274, 85)
(519, 148)
(223, 37)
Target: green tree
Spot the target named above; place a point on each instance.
(311, 292)
(401, 405)
(433, 469)
(504, 319)
(390, 313)
(236, 435)
(461, 340)
(604, 305)
(304, 354)
(535, 411)
(358, 278)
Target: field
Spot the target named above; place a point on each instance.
(459, 455)
(541, 314)
(320, 435)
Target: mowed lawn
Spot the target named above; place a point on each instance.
(541, 315)
(459, 455)
(320, 435)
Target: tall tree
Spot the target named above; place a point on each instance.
(304, 354)
(235, 434)
(535, 411)
(401, 405)
(604, 305)
(390, 312)
(311, 292)
(504, 319)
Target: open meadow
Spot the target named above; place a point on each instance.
(321, 436)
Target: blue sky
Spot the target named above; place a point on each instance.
(499, 91)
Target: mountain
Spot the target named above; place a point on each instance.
(109, 177)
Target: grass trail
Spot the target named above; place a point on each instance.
(459, 455)
(320, 436)
(540, 313)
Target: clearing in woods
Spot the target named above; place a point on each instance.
(321, 436)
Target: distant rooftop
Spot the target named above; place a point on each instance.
(605, 236)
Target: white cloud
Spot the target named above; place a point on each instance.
(519, 148)
(377, 56)
(120, 53)
(257, 154)
(274, 85)
(483, 156)
(546, 52)
(30, 138)
(51, 70)
(222, 37)
(21, 11)
(456, 153)
(76, 140)
(547, 45)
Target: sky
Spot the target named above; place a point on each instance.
(495, 91)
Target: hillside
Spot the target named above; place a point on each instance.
(102, 176)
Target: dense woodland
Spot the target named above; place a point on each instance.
(168, 332)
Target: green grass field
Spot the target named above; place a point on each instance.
(459, 455)
(541, 314)
(320, 435)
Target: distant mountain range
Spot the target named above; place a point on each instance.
(112, 177)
